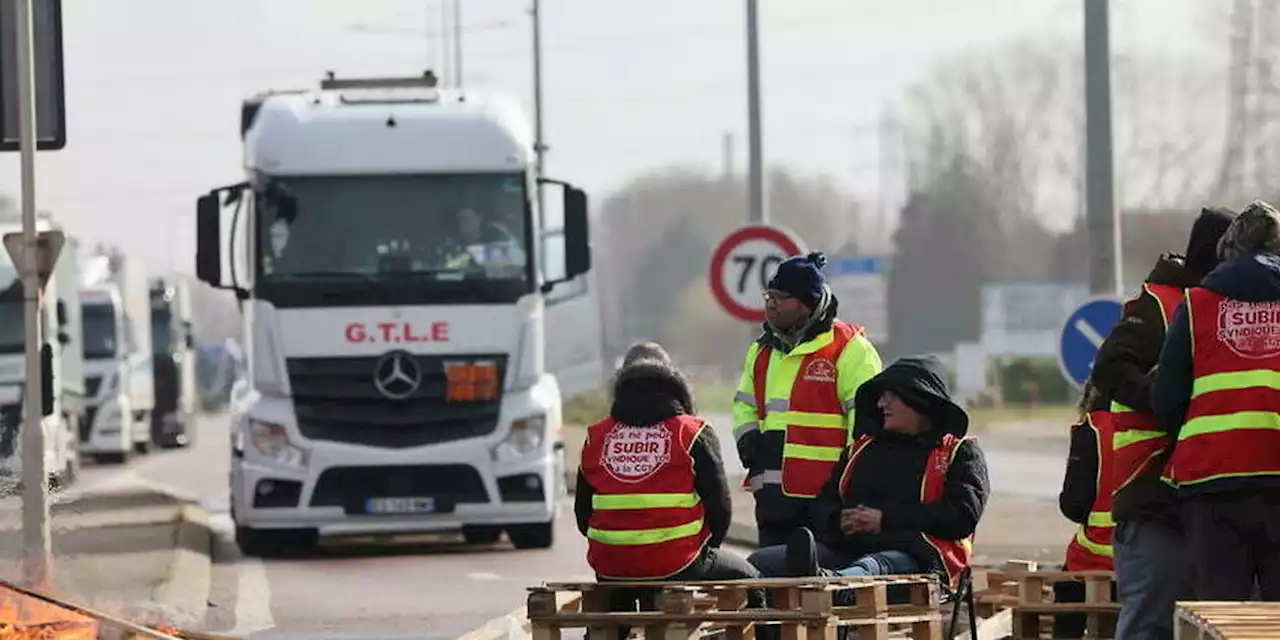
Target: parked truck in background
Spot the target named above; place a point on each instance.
(394, 289)
(173, 350)
(61, 329)
(116, 312)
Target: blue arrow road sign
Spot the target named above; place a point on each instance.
(1082, 335)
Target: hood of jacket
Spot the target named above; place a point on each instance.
(648, 392)
(1253, 277)
(922, 383)
(1171, 269)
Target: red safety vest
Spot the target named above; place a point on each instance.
(1232, 427)
(953, 554)
(810, 453)
(1138, 440)
(647, 521)
(1090, 549)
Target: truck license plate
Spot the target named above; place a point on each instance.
(400, 505)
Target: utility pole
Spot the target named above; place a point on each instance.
(1105, 264)
(36, 557)
(539, 142)
(457, 42)
(757, 204)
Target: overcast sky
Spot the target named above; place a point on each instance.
(154, 85)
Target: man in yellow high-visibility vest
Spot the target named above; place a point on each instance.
(793, 412)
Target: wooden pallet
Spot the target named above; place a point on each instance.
(1227, 621)
(801, 606)
(1035, 609)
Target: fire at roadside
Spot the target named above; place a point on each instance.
(29, 615)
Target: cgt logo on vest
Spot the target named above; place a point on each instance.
(820, 370)
(1250, 329)
(395, 332)
(632, 454)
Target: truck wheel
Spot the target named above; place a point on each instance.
(479, 534)
(272, 543)
(533, 536)
(111, 458)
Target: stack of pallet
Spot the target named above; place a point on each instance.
(995, 590)
(1036, 608)
(801, 606)
(1227, 621)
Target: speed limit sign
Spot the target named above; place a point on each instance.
(744, 262)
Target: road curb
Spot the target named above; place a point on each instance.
(184, 593)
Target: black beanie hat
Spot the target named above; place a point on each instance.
(1202, 246)
(802, 278)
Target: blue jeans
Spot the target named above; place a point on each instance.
(883, 563)
(1153, 570)
(772, 561)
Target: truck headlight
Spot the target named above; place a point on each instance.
(525, 438)
(272, 442)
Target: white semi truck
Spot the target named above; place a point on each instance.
(174, 363)
(392, 261)
(115, 306)
(61, 330)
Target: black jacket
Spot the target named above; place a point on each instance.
(1122, 372)
(889, 472)
(1080, 482)
(1249, 278)
(647, 393)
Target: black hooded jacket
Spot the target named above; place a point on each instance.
(1249, 278)
(1122, 372)
(889, 472)
(649, 392)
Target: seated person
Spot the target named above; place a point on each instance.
(652, 497)
(906, 496)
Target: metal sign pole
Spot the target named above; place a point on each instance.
(36, 558)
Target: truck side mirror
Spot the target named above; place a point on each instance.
(46, 380)
(62, 312)
(209, 240)
(577, 237)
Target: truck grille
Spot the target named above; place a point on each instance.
(10, 426)
(349, 487)
(336, 400)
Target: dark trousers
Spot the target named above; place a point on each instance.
(1234, 541)
(715, 564)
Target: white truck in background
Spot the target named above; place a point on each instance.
(115, 307)
(61, 329)
(174, 363)
(393, 264)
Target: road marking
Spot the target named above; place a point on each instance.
(483, 575)
(253, 598)
(1090, 333)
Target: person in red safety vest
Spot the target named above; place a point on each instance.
(1217, 387)
(1148, 543)
(652, 497)
(906, 496)
(793, 411)
(1086, 500)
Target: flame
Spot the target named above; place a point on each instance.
(25, 618)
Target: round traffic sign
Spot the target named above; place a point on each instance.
(1082, 335)
(744, 262)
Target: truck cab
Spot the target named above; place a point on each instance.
(391, 259)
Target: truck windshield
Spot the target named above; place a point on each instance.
(99, 331)
(161, 332)
(437, 227)
(11, 338)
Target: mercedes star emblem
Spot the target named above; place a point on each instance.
(397, 375)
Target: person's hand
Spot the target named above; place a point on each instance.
(866, 519)
(847, 523)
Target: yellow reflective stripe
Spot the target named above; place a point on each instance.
(644, 501)
(1220, 476)
(811, 452)
(1116, 407)
(780, 421)
(1103, 550)
(1205, 425)
(1122, 439)
(645, 536)
(1101, 519)
(1232, 380)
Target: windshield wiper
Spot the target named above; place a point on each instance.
(376, 284)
